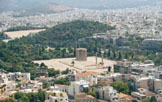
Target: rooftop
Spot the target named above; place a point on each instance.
(84, 74)
(107, 87)
(61, 86)
(84, 96)
(125, 96)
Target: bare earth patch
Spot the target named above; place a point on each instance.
(19, 34)
(64, 63)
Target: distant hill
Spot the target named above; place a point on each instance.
(32, 6)
(106, 4)
(47, 8)
(6, 5)
(66, 33)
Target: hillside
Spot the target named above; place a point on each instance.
(17, 55)
(66, 33)
(31, 7)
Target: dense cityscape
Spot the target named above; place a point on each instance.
(81, 55)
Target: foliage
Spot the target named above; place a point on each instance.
(153, 99)
(73, 63)
(145, 100)
(121, 87)
(119, 56)
(30, 97)
(62, 81)
(46, 84)
(52, 72)
(134, 101)
(92, 93)
(24, 99)
(66, 71)
(109, 53)
(8, 100)
(66, 34)
(41, 95)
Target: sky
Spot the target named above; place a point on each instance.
(90, 4)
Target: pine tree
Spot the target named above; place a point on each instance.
(109, 53)
(132, 56)
(153, 99)
(126, 56)
(114, 55)
(119, 56)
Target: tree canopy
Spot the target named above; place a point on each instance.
(121, 87)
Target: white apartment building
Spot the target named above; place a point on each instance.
(3, 78)
(88, 76)
(77, 87)
(107, 93)
(57, 87)
(56, 96)
(16, 75)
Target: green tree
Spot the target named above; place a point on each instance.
(24, 99)
(18, 95)
(126, 56)
(134, 101)
(119, 56)
(46, 84)
(8, 100)
(132, 57)
(41, 95)
(114, 55)
(42, 65)
(52, 72)
(121, 87)
(66, 71)
(32, 97)
(109, 53)
(62, 81)
(73, 63)
(146, 100)
(153, 99)
(92, 93)
(63, 53)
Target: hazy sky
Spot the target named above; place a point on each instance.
(96, 4)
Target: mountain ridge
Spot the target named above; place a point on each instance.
(6, 5)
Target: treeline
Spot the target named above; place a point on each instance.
(27, 97)
(138, 55)
(66, 34)
(18, 28)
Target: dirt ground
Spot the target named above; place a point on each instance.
(19, 34)
(64, 63)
